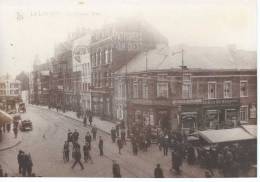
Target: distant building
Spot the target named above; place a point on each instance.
(82, 65)
(39, 84)
(112, 47)
(10, 92)
(215, 88)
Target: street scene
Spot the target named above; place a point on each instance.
(119, 92)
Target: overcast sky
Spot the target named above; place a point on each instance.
(23, 33)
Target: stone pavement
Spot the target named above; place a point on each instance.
(9, 141)
(100, 124)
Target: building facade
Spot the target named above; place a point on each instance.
(110, 48)
(39, 83)
(186, 98)
(10, 92)
(82, 66)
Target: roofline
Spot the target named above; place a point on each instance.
(190, 69)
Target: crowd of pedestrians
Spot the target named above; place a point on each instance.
(25, 163)
(73, 140)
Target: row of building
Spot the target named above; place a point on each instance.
(10, 92)
(127, 71)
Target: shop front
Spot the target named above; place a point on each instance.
(201, 114)
(102, 105)
(220, 113)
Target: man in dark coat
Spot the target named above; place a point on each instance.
(135, 148)
(117, 130)
(20, 157)
(100, 146)
(85, 120)
(94, 132)
(88, 139)
(120, 145)
(191, 155)
(116, 170)
(75, 136)
(86, 151)
(113, 135)
(66, 151)
(90, 119)
(69, 136)
(165, 145)
(123, 134)
(29, 164)
(176, 161)
(77, 157)
(158, 172)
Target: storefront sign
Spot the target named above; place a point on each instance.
(187, 101)
(220, 101)
(151, 102)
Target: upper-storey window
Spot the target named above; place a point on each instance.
(212, 90)
(187, 90)
(162, 89)
(106, 56)
(243, 88)
(135, 90)
(145, 90)
(227, 89)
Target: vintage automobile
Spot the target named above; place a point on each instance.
(26, 125)
(11, 111)
(21, 107)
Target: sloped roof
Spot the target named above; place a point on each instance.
(163, 58)
(82, 41)
(251, 129)
(225, 135)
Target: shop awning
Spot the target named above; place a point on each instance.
(226, 135)
(5, 117)
(251, 129)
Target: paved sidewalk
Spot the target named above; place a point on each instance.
(100, 124)
(9, 141)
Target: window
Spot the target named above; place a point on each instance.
(212, 90)
(230, 114)
(187, 90)
(243, 113)
(162, 89)
(243, 88)
(135, 90)
(106, 56)
(111, 56)
(145, 91)
(120, 90)
(227, 89)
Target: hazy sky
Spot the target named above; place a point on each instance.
(23, 33)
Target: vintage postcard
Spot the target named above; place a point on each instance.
(128, 88)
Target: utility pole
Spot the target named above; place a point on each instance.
(146, 61)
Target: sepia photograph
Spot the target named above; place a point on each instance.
(128, 88)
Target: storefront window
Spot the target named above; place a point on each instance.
(212, 118)
(137, 116)
(231, 117)
(227, 89)
(146, 118)
(243, 113)
(253, 111)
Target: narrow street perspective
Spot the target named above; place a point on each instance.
(128, 89)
